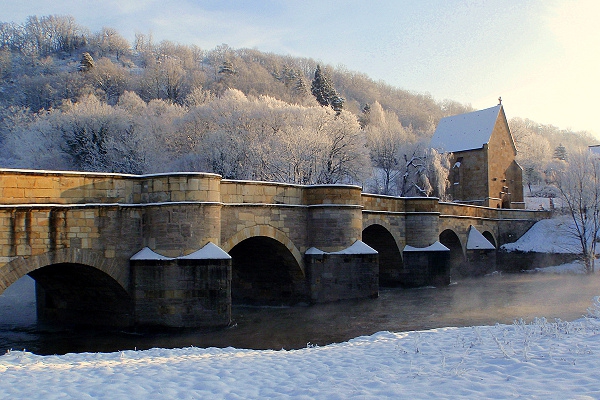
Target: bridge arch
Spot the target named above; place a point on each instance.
(75, 287)
(19, 267)
(490, 237)
(451, 240)
(266, 231)
(384, 223)
(265, 270)
(391, 265)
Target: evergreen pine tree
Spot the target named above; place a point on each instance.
(300, 87)
(337, 103)
(86, 63)
(560, 152)
(288, 75)
(322, 88)
(365, 118)
(227, 68)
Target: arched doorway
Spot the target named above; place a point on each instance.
(264, 272)
(76, 294)
(391, 267)
(457, 258)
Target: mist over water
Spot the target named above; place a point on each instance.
(18, 315)
(481, 301)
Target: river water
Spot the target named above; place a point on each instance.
(482, 301)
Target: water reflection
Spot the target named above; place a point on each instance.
(482, 301)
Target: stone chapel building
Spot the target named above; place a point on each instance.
(484, 171)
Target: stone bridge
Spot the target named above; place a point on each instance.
(178, 249)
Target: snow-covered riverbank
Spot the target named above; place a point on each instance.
(540, 359)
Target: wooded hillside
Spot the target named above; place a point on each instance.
(73, 99)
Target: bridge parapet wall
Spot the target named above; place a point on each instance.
(56, 187)
(238, 192)
(332, 194)
(417, 217)
(334, 216)
(178, 187)
(464, 210)
(422, 221)
(375, 202)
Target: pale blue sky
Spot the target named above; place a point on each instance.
(541, 56)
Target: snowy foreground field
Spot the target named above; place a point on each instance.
(529, 359)
(550, 360)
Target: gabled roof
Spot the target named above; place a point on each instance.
(465, 131)
(210, 251)
(476, 241)
(147, 254)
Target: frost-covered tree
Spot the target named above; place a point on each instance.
(97, 137)
(50, 34)
(156, 126)
(301, 147)
(533, 150)
(198, 96)
(425, 172)
(385, 138)
(300, 87)
(579, 185)
(438, 168)
(402, 165)
(346, 157)
(5, 63)
(109, 42)
(247, 137)
(36, 143)
(542, 147)
(108, 78)
(174, 82)
(12, 118)
(85, 127)
(165, 79)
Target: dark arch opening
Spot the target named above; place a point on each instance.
(80, 295)
(264, 272)
(391, 267)
(457, 259)
(490, 238)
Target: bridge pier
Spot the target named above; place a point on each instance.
(427, 266)
(192, 291)
(425, 258)
(352, 273)
(338, 265)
